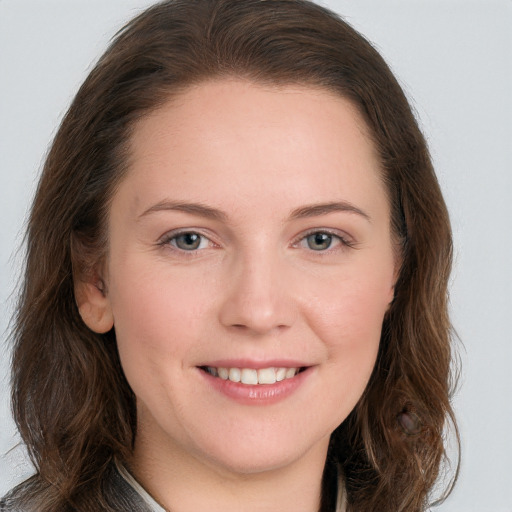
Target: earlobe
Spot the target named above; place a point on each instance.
(391, 296)
(94, 306)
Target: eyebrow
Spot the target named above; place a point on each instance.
(198, 209)
(201, 210)
(316, 210)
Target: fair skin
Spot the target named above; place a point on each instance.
(251, 232)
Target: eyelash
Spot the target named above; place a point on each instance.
(169, 238)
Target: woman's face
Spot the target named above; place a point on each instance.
(250, 240)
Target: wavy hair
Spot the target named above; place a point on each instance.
(72, 404)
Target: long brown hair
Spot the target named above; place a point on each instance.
(71, 402)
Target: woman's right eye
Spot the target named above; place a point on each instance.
(188, 241)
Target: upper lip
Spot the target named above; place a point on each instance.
(255, 364)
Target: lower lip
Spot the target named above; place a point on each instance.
(259, 394)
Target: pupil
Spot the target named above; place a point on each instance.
(319, 241)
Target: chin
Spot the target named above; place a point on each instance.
(252, 456)
(251, 464)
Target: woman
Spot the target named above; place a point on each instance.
(235, 289)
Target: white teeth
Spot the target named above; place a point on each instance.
(234, 375)
(266, 376)
(281, 374)
(223, 373)
(251, 376)
(290, 372)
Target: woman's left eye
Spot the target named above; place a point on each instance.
(189, 241)
(321, 241)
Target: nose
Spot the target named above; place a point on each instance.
(258, 297)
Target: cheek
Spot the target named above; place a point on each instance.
(350, 329)
(348, 320)
(157, 328)
(354, 307)
(160, 317)
(150, 300)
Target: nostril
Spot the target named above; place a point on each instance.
(239, 326)
(259, 329)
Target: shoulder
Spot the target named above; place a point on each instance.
(117, 496)
(9, 505)
(16, 501)
(122, 495)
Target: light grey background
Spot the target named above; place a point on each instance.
(454, 59)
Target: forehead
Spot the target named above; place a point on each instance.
(246, 104)
(236, 137)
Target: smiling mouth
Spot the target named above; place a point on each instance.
(251, 376)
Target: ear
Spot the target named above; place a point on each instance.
(94, 305)
(391, 295)
(397, 269)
